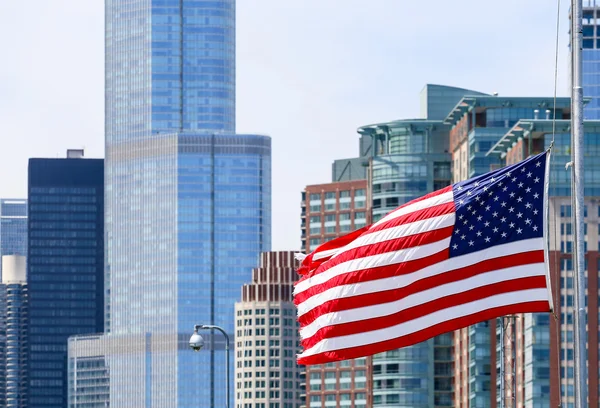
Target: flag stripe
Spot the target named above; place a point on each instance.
(444, 326)
(420, 304)
(442, 196)
(437, 317)
(369, 293)
(393, 257)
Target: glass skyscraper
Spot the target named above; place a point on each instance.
(64, 268)
(188, 207)
(591, 58)
(13, 227)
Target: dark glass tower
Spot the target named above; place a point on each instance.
(65, 268)
(187, 200)
(13, 227)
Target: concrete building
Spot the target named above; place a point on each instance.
(267, 338)
(13, 332)
(65, 267)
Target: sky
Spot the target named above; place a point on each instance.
(309, 73)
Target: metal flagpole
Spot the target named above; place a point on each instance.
(502, 364)
(581, 378)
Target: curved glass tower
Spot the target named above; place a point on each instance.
(187, 205)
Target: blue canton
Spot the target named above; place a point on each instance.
(499, 207)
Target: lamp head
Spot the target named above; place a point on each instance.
(196, 341)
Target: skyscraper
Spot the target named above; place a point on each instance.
(13, 227)
(267, 337)
(187, 201)
(591, 57)
(13, 329)
(64, 268)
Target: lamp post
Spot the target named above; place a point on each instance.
(197, 343)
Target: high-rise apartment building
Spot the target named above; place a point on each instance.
(267, 338)
(477, 124)
(329, 211)
(13, 227)
(541, 370)
(188, 203)
(13, 333)
(65, 267)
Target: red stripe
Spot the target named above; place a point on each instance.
(336, 305)
(424, 309)
(425, 334)
(419, 215)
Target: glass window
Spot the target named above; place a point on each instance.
(315, 197)
(330, 195)
(344, 216)
(359, 192)
(345, 193)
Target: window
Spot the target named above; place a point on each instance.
(315, 197)
(345, 217)
(330, 218)
(359, 192)
(330, 207)
(345, 193)
(315, 219)
(330, 195)
(360, 215)
(345, 205)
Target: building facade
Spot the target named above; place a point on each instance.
(13, 227)
(329, 211)
(542, 365)
(65, 267)
(591, 58)
(13, 333)
(188, 201)
(267, 338)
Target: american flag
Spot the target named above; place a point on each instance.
(470, 252)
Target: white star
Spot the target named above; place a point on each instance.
(528, 189)
(503, 203)
(536, 180)
(535, 212)
(527, 205)
(493, 179)
(538, 164)
(529, 174)
(469, 193)
(459, 188)
(503, 219)
(465, 221)
(477, 198)
(521, 185)
(479, 218)
(519, 199)
(495, 213)
(504, 235)
(454, 246)
(520, 215)
(471, 227)
(471, 243)
(460, 217)
(481, 202)
(487, 239)
(485, 189)
(512, 195)
(478, 233)
(536, 195)
(512, 225)
(477, 184)
(495, 229)
(487, 207)
(463, 236)
(527, 221)
(523, 170)
(535, 227)
(504, 189)
(487, 224)
(474, 212)
(514, 179)
(491, 193)
(501, 183)
(511, 209)
(519, 230)
(469, 208)
(508, 174)
(461, 202)
(496, 198)
(457, 231)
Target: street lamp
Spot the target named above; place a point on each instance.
(197, 343)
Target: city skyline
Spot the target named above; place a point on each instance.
(309, 76)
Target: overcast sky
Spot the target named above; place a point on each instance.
(309, 72)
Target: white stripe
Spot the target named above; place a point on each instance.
(438, 292)
(415, 325)
(325, 254)
(404, 230)
(362, 288)
(387, 258)
(419, 205)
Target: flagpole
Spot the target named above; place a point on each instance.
(580, 333)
